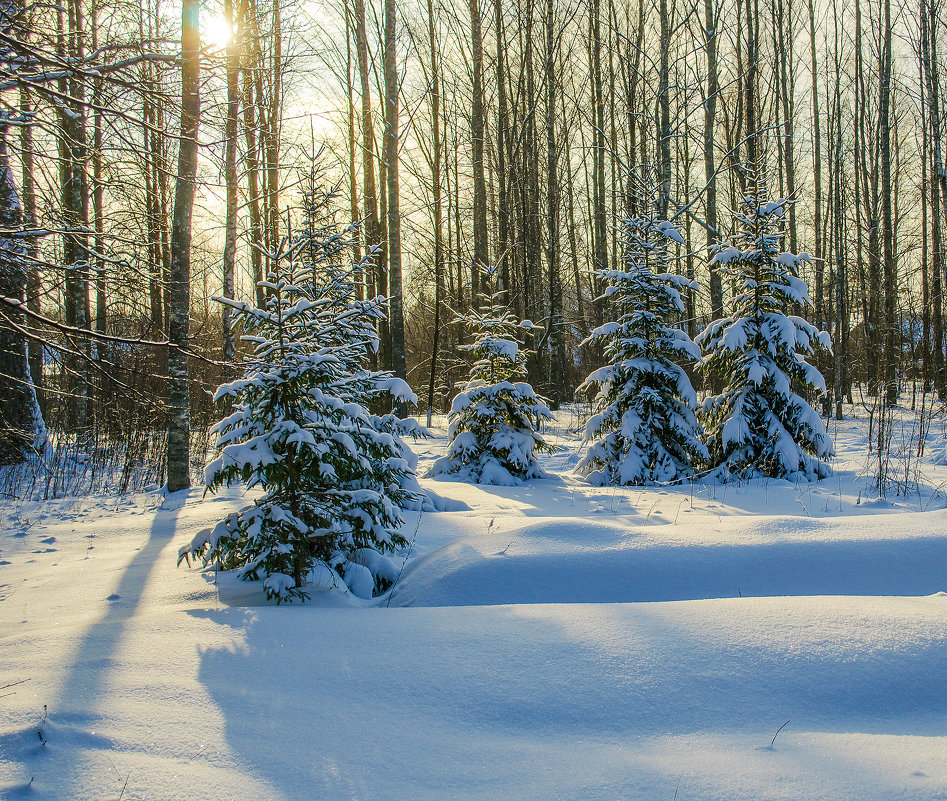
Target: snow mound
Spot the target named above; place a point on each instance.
(574, 560)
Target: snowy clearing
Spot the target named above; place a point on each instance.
(551, 641)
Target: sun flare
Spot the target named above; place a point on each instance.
(217, 31)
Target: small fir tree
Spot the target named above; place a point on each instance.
(761, 423)
(338, 292)
(333, 484)
(645, 429)
(493, 419)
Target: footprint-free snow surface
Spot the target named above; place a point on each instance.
(548, 641)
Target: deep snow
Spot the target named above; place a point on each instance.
(551, 641)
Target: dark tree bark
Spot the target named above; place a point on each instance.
(250, 101)
(600, 213)
(664, 111)
(481, 255)
(98, 187)
(20, 421)
(556, 326)
(355, 216)
(31, 248)
(936, 184)
(819, 247)
(21, 424)
(711, 21)
(887, 211)
(179, 289)
(74, 189)
(374, 235)
(230, 181)
(436, 158)
(502, 145)
(395, 291)
(785, 61)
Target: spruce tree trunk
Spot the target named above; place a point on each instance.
(180, 284)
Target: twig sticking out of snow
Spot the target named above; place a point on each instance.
(773, 741)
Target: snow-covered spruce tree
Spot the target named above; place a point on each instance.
(493, 419)
(333, 485)
(346, 318)
(761, 423)
(645, 429)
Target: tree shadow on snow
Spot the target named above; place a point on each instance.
(416, 703)
(74, 714)
(524, 571)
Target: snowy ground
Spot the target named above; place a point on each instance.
(553, 641)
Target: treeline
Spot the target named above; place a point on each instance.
(497, 134)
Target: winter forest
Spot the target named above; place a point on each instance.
(496, 400)
(151, 168)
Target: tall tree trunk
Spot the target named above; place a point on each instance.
(436, 191)
(711, 21)
(396, 298)
(31, 247)
(251, 67)
(927, 357)
(600, 214)
(98, 186)
(374, 237)
(355, 216)
(751, 80)
(75, 209)
(481, 257)
(502, 136)
(271, 123)
(819, 251)
(20, 419)
(180, 296)
(230, 181)
(556, 327)
(787, 81)
(664, 112)
(937, 186)
(890, 266)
